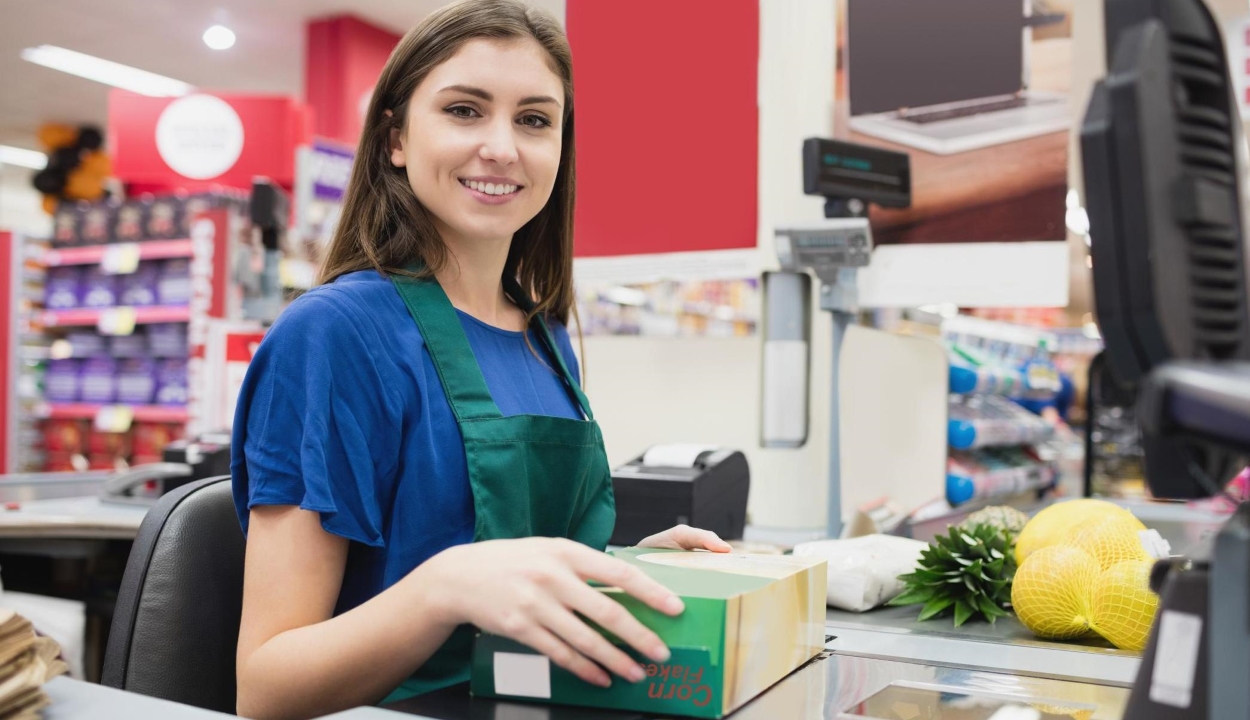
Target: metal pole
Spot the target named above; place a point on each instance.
(833, 525)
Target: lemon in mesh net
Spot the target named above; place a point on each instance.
(1054, 524)
(1111, 539)
(1123, 606)
(1051, 593)
(1064, 711)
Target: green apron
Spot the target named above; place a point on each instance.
(531, 475)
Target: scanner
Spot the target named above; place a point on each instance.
(673, 485)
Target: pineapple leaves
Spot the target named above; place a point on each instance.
(966, 572)
(963, 611)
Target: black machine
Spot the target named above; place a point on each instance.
(849, 176)
(1161, 150)
(710, 493)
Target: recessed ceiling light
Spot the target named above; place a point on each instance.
(219, 37)
(22, 157)
(106, 71)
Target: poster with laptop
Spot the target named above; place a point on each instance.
(976, 93)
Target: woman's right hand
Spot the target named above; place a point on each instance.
(532, 590)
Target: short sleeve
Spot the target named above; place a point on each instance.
(317, 424)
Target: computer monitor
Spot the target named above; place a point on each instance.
(913, 53)
(1162, 157)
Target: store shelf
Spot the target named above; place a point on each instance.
(86, 411)
(92, 254)
(91, 316)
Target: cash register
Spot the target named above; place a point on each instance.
(669, 485)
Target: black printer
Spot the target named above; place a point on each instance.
(703, 488)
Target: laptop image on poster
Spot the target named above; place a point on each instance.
(944, 76)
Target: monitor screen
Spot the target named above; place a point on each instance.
(916, 53)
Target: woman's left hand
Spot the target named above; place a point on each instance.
(684, 537)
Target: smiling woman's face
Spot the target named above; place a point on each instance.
(481, 145)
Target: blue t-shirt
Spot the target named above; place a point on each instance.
(343, 413)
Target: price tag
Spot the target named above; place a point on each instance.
(114, 418)
(117, 321)
(121, 259)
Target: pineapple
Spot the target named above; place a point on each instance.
(966, 572)
(1003, 517)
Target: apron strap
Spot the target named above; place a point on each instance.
(462, 379)
(522, 300)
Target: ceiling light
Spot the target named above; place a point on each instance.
(22, 157)
(219, 37)
(106, 71)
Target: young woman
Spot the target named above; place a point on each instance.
(413, 453)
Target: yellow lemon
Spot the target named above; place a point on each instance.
(1054, 524)
(1124, 607)
(1051, 593)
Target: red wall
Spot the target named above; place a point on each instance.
(342, 61)
(667, 124)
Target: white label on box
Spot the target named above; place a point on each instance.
(521, 675)
(1176, 659)
(117, 321)
(122, 259)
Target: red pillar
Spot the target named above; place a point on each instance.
(343, 58)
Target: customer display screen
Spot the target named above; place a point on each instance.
(915, 53)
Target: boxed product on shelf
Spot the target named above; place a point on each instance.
(136, 381)
(129, 219)
(167, 340)
(60, 462)
(65, 225)
(99, 288)
(171, 382)
(63, 288)
(150, 439)
(95, 224)
(112, 444)
(86, 343)
(62, 381)
(65, 436)
(173, 283)
(104, 462)
(98, 380)
(138, 288)
(129, 346)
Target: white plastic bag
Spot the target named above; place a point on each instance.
(863, 571)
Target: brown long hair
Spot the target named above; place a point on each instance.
(383, 226)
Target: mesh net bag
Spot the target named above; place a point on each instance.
(1051, 593)
(1110, 539)
(1123, 606)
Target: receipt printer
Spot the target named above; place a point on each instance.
(672, 485)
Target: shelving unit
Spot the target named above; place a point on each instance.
(89, 411)
(91, 254)
(95, 316)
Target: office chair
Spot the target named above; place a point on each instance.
(176, 624)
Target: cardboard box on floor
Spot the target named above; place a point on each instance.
(749, 621)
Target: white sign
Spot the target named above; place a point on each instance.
(199, 136)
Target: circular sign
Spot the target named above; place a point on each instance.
(199, 136)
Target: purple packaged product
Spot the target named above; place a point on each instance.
(171, 382)
(86, 343)
(99, 289)
(173, 286)
(62, 287)
(61, 381)
(136, 381)
(128, 346)
(65, 224)
(167, 340)
(98, 381)
(96, 224)
(128, 222)
(139, 287)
